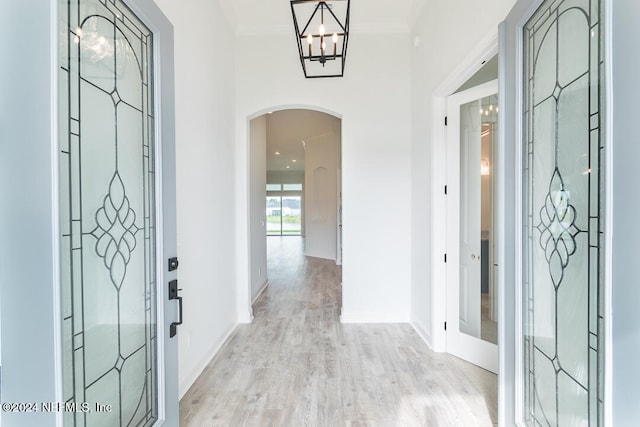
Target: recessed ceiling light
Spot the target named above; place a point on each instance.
(277, 153)
(288, 167)
(294, 160)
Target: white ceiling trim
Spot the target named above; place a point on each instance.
(381, 28)
(271, 30)
(229, 14)
(416, 10)
(248, 17)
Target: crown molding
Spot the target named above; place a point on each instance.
(229, 13)
(275, 30)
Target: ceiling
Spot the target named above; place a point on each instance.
(286, 131)
(274, 16)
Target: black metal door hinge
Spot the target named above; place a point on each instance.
(445, 326)
(445, 120)
(445, 257)
(445, 190)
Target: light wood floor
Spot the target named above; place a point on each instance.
(296, 364)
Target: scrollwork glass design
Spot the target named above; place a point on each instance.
(107, 218)
(563, 215)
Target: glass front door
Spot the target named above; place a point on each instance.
(108, 216)
(563, 207)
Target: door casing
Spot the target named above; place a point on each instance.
(486, 49)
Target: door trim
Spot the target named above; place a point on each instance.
(165, 200)
(509, 195)
(608, 226)
(29, 276)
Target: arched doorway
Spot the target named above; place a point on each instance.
(294, 185)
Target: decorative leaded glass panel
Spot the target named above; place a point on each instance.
(563, 215)
(108, 264)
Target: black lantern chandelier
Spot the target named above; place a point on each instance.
(322, 32)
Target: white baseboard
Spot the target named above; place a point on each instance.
(264, 286)
(187, 382)
(422, 332)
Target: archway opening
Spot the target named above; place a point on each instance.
(295, 188)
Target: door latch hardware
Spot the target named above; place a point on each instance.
(173, 263)
(173, 294)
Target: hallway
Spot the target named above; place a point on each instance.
(296, 364)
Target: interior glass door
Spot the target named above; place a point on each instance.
(563, 215)
(108, 216)
(471, 295)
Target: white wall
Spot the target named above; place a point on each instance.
(285, 177)
(321, 195)
(444, 34)
(204, 68)
(373, 102)
(625, 332)
(257, 203)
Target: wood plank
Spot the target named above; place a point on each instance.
(296, 364)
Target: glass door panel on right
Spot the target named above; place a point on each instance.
(274, 216)
(563, 215)
(291, 215)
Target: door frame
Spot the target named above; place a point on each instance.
(484, 354)
(486, 49)
(30, 292)
(29, 296)
(165, 161)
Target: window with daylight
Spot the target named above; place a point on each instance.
(284, 210)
